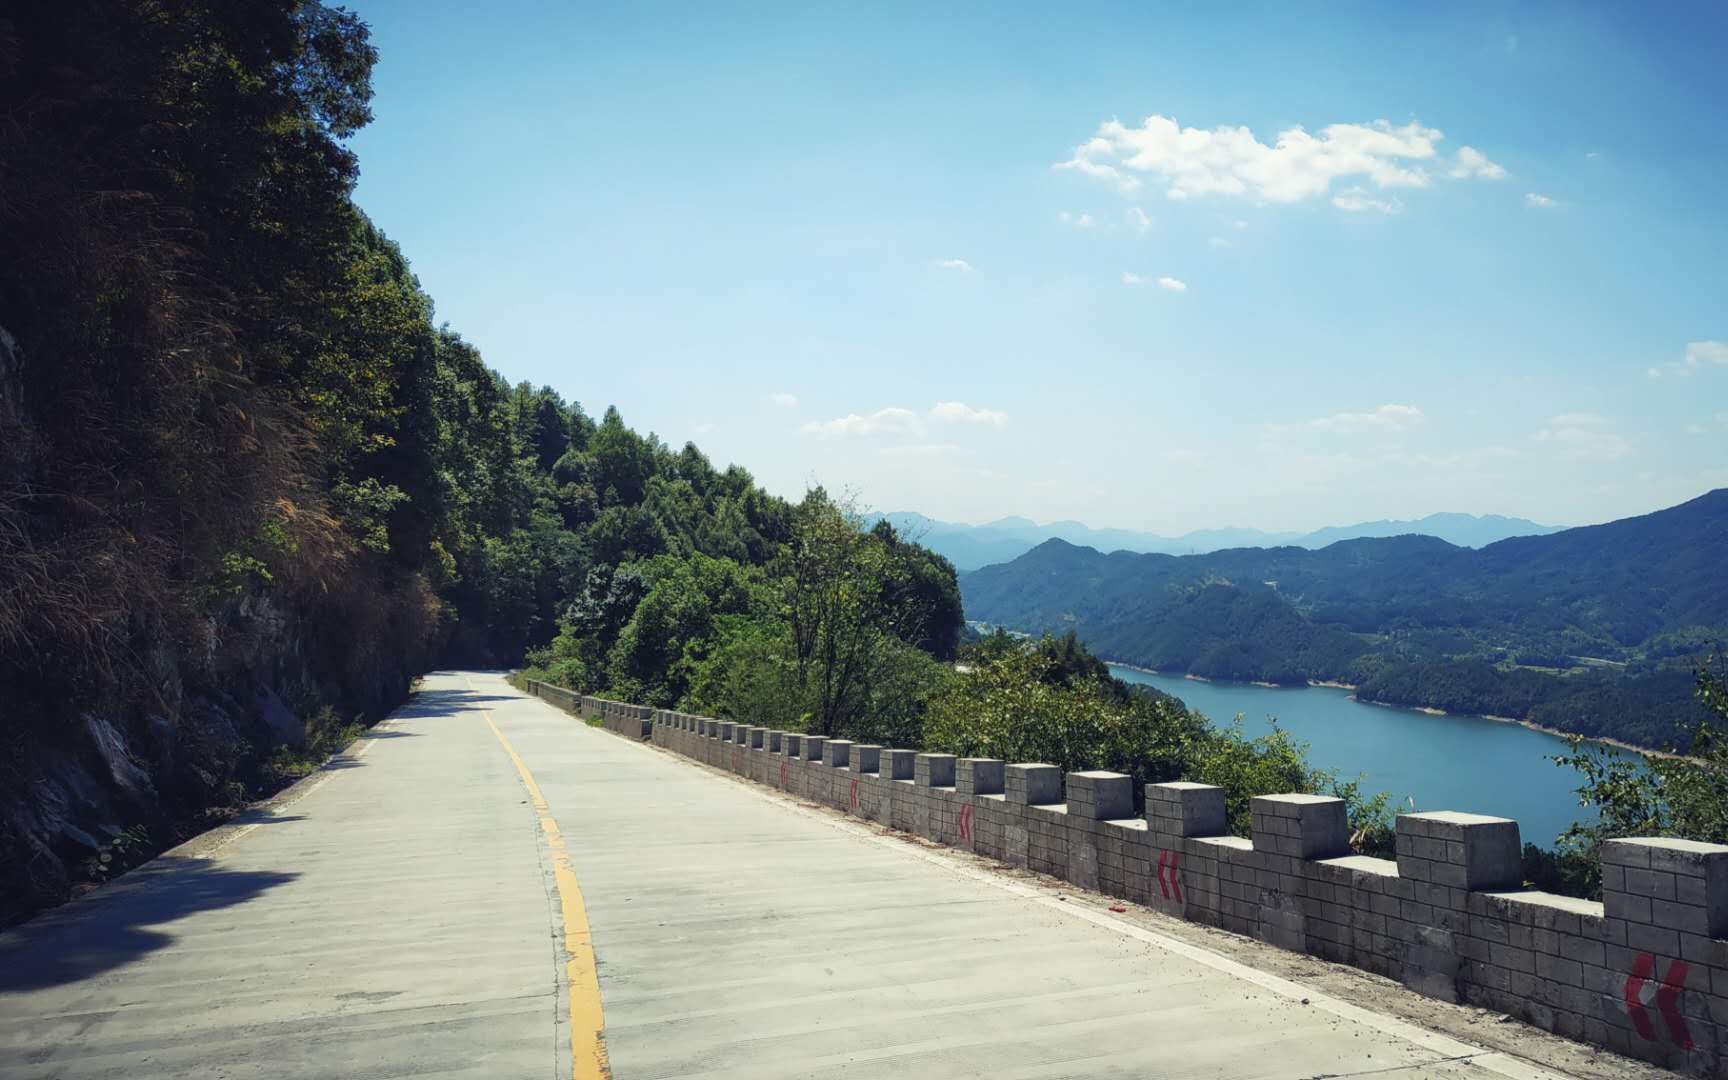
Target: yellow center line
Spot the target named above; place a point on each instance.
(587, 1021)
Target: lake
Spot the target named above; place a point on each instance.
(1443, 762)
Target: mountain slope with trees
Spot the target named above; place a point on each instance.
(249, 487)
(1594, 630)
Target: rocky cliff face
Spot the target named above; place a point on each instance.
(189, 726)
(165, 765)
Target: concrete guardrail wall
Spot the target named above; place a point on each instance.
(1643, 972)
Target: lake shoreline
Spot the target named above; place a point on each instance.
(1605, 740)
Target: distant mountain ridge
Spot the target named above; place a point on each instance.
(969, 547)
(1592, 629)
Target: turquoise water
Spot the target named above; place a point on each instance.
(1442, 762)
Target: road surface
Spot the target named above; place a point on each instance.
(443, 899)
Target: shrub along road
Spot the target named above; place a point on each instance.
(422, 908)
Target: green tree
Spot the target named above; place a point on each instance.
(835, 599)
(1655, 794)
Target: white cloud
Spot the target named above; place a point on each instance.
(1722, 418)
(785, 400)
(1580, 419)
(1297, 165)
(1539, 202)
(1473, 162)
(1129, 277)
(955, 264)
(898, 421)
(1239, 224)
(889, 421)
(1172, 284)
(961, 412)
(1584, 436)
(1138, 219)
(1387, 417)
(1694, 429)
(1698, 355)
(1357, 200)
(1218, 241)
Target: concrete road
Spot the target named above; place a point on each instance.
(423, 908)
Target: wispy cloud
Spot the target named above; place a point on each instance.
(1129, 277)
(892, 420)
(1473, 162)
(1357, 200)
(1387, 417)
(1172, 284)
(959, 411)
(1296, 165)
(1584, 436)
(955, 264)
(1079, 221)
(784, 400)
(1698, 356)
(895, 420)
(1138, 220)
(1538, 201)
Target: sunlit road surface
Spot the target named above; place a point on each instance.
(442, 900)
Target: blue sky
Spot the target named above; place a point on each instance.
(1156, 267)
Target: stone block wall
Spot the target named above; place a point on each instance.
(1643, 972)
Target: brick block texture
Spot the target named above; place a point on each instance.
(1644, 972)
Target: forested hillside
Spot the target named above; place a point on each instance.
(249, 487)
(1593, 630)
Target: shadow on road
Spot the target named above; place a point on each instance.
(432, 702)
(112, 927)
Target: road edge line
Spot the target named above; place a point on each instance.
(588, 1059)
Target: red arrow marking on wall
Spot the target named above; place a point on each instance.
(1642, 968)
(854, 795)
(966, 822)
(1668, 1002)
(1168, 883)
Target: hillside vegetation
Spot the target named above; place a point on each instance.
(1593, 630)
(249, 487)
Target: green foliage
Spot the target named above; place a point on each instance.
(327, 733)
(1660, 794)
(1046, 701)
(673, 626)
(740, 606)
(127, 849)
